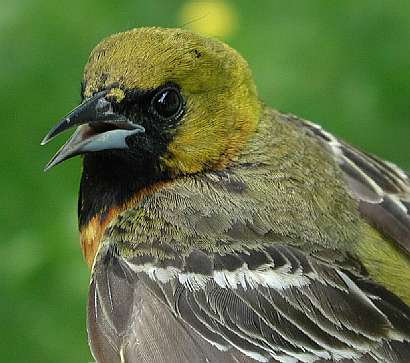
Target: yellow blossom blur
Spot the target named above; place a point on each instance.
(213, 18)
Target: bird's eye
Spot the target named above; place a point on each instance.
(167, 103)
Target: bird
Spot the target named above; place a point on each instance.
(218, 229)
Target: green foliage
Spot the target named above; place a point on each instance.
(342, 64)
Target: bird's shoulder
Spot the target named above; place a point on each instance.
(381, 187)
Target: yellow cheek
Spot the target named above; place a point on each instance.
(212, 133)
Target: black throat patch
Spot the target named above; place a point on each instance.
(112, 177)
(109, 181)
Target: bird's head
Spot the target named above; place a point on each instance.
(161, 102)
(157, 104)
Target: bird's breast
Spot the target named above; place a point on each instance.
(92, 233)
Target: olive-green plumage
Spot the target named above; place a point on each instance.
(220, 230)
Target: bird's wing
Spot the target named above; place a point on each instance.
(128, 323)
(270, 304)
(382, 188)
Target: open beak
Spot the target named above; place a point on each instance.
(99, 128)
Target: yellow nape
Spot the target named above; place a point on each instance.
(385, 263)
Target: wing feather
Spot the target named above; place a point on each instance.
(151, 333)
(331, 315)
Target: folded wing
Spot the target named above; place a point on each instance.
(271, 304)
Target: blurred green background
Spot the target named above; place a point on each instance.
(343, 64)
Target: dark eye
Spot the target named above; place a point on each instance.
(167, 103)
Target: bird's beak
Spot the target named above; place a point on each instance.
(99, 128)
